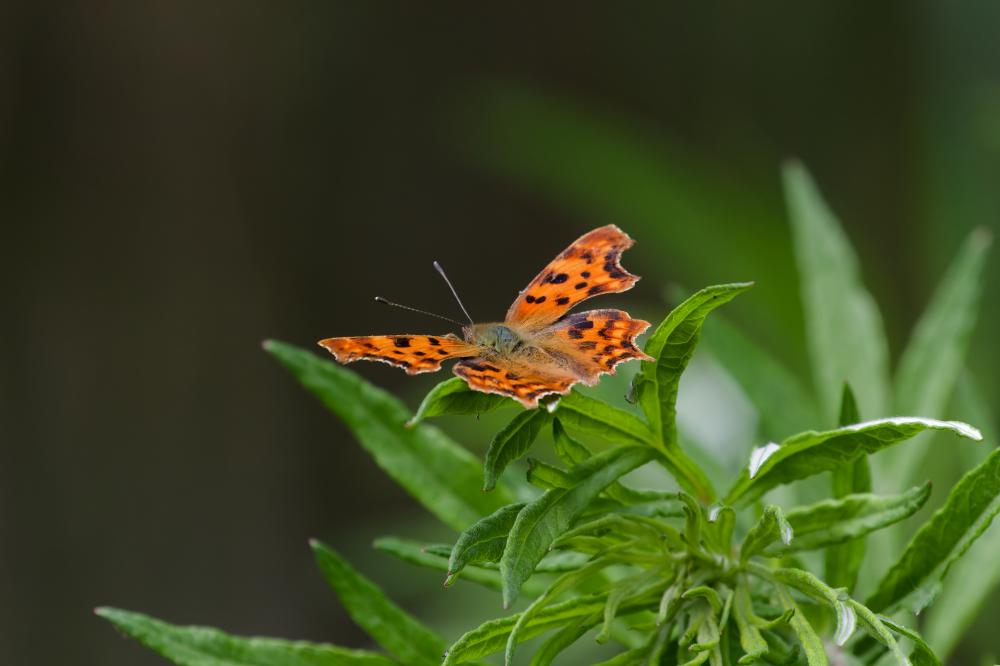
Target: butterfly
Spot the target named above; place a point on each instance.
(538, 349)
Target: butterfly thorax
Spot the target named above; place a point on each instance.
(499, 338)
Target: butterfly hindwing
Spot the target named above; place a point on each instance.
(413, 353)
(588, 267)
(523, 382)
(594, 342)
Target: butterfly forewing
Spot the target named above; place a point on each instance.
(413, 353)
(588, 267)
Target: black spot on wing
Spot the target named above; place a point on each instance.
(562, 301)
(434, 341)
(401, 342)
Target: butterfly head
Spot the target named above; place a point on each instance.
(497, 337)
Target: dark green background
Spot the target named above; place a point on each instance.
(180, 180)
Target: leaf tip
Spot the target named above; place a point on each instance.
(267, 344)
(759, 456)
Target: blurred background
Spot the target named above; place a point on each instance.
(181, 180)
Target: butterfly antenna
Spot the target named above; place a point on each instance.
(379, 299)
(454, 293)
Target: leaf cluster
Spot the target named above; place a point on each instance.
(696, 573)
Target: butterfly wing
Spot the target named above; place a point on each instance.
(413, 353)
(525, 382)
(588, 267)
(594, 342)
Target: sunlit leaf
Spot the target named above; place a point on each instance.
(810, 453)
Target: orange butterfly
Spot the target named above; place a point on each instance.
(536, 350)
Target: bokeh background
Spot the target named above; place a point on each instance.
(181, 180)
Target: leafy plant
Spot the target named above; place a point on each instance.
(690, 574)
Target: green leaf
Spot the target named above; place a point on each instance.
(783, 404)
(545, 519)
(837, 521)
(421, 555)
(809, 453)
(751, 640)
(808, 584)
(622, 591)
(545, 476)
(966, 514)
(973, 578)
(922, 654)
(772, 526)
(812, 644)
(453, 396)
(204, 646)
(483, 541)
(582, 413)
(439, 473)
(932, 361)
(672, 344)
(392, 627)
(513, 442)
(843, 561)
(562, 584)
(572, 452)
(491, 636)
(843, 326)
(719, 530)
(877, 630)
(562, 639)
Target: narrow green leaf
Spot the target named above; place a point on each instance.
(843, 561)
(392, 627)
(582, 413)
(809, 453)
(572, 452)
(483, 541)
(922, 654)
(427, 555)
(562, 639)
(843, 326)
(932, 361)
(512, 442)
(973, 579)
(491, 636)
(719, 530)
(205, 646)
(837, 521)
(622, 591)
(562, 584)
(453, 396)
(966, 514)
(877, 630)
(439, 473)
(545, 476)
(672, 344)
(751, 640)
(808, 584)
(545, 519)
(812, 644)
(771, 527)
